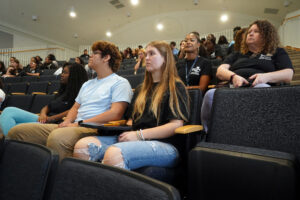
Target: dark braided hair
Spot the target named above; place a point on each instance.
(76, 78)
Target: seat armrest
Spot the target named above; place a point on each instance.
(188, 129)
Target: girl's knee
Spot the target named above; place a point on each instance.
(113, 156)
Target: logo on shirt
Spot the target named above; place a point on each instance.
(196, 70)
(265, 57)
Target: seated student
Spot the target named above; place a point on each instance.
(194, 70)
(141, 61)
(2, 68)
(213, 49)
(72, 78)
(260, 61)
(2, 93)
(14, 69)
(223, 43)
(102, 99)
(49, 62)
(33, 69)
(159, 106)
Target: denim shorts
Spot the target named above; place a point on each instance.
(138, 154)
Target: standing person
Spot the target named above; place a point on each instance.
(102, 99)
(72, 78)
(259, 63)
(85, 55)
(159, 106)
(194, 70)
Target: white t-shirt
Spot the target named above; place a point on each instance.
(2, 96)
(97, 95)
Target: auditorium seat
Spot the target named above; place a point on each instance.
(24, 170)
(40, 86)
(47, 78)
(134, 80)
(19, 87)
(29, 79)
(78, 179)
(53, 87)
(252, 148)
(19, 101)
(39, 101)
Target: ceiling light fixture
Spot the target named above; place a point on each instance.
(134, 2)
(72, 12)
(108, 34)
(160, 26)
(224, 18)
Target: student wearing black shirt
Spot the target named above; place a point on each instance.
(194, 70)
(159, 106)
(261, 63)
(73, 76)
(85, 55)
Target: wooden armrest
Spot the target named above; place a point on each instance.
(17, 93)
(188, 129)
(39, 93)
(121, 122)
(211, 86)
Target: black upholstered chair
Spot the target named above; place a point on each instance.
(53, 87)
(39, 101)
(79, 179)
(29, 79)
(19, 101)
(134, 80)
(252, 148)
(18, 87)
(24, 170)
(48, 78)
(40, 87)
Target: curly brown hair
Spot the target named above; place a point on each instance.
(269, 35)
(108, 48)
(238, 38)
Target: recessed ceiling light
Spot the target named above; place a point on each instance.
(224, 18)
(108, 34)
(134, 2)
(160, 26)
(72, 12)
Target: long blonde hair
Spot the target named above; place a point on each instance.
(167, 82)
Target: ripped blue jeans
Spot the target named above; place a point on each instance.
(137, 154)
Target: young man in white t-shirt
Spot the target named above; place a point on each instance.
(102, 99)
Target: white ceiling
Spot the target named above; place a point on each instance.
(95, 17)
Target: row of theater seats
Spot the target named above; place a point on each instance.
(251, 151)
(32, 103)
(46, 87)
(29, 79)
(32, 172)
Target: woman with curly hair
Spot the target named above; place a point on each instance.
(260, 63)
(72, 78)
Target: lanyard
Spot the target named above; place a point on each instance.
(187, 75)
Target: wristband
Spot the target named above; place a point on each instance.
(80, 122)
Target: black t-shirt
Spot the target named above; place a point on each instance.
(57, 106)
(190, 74)
(85, 56)
(249, 64)
(148, 119)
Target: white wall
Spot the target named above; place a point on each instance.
(290, 31)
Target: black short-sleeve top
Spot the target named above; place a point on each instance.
(148, 120)
(249, 64)
(190, 71)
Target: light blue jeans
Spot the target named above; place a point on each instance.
(12, 116)
(137, 154)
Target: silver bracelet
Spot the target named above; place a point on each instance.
(141, 134)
